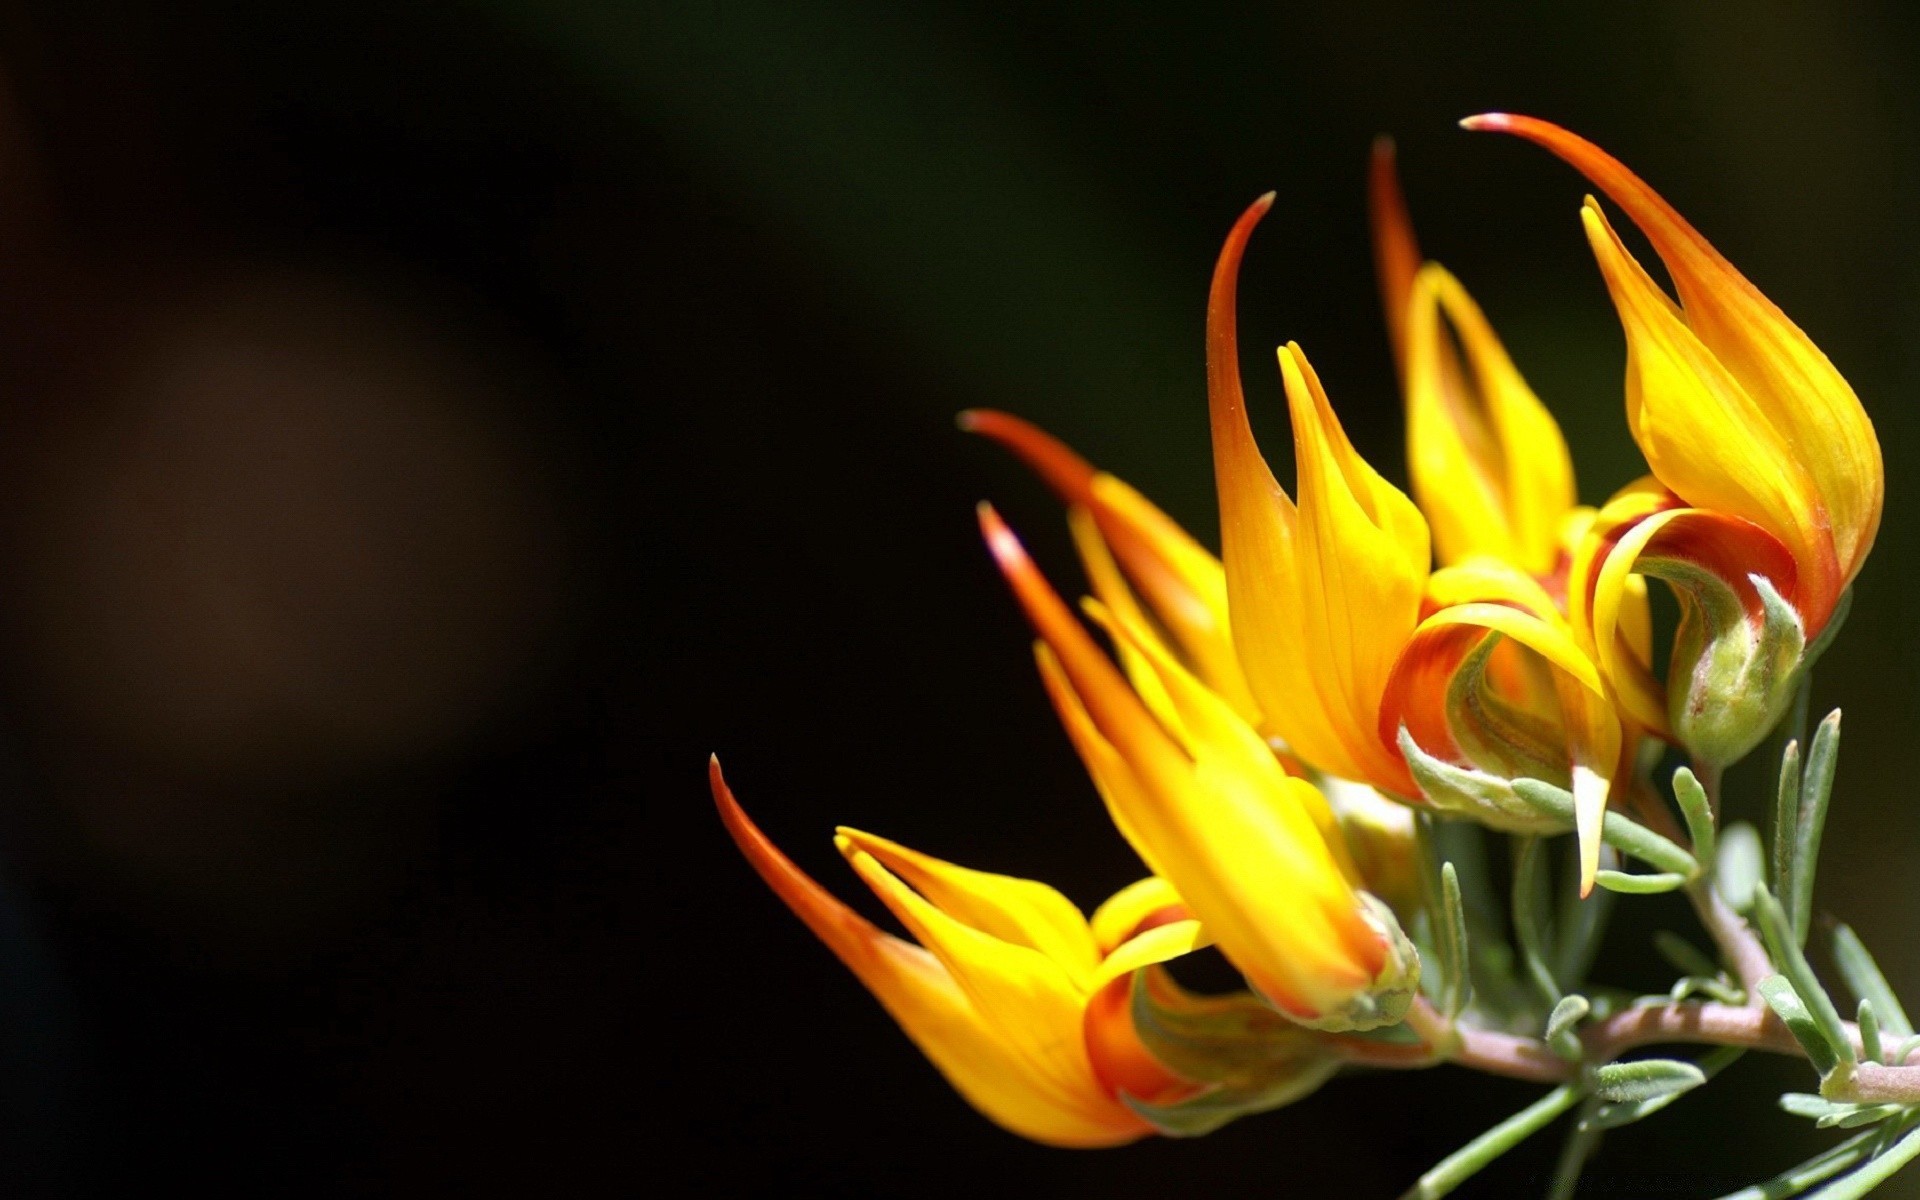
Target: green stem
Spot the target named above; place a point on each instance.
(1581, 1142)
(1464, 1163)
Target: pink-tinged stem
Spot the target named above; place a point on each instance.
(1875, 1084)
(1485, 1049)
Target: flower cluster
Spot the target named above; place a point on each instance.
(1272, 729)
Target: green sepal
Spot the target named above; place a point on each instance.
(1739, 678)
(1385, 1001)
(1645, 1079)
(1785, 1003)
(1249, 1058)
(1488, 799)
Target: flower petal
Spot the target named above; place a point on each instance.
(930, 1006)
(1811, 404)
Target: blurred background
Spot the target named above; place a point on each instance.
(428, 431)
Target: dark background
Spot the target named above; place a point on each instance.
(429, 430)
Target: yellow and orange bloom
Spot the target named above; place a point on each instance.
(1002, 990)
(1257, 854)
(1028, 1008)
(1763, 446)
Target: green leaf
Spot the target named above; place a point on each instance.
(1867, 983)
(1613, 1116)
(1877, 1171)
(1785, 1003)
(1640, 885)
(1737, 869)
(1788, 956)
(1786, 819)
(1529, 906)
(1685, 957)
(1466, 1162)
(1615, 830)
(1821, 1167)
(1697, 810)
(1823, 758)
(1457, 983)
(1901, 1051)
(1645, 1079)
(1828, 1114)
(1578, 926)
(1869, 1031)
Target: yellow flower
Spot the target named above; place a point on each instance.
(1488, 465)
(1257, 854)
(1760, 442)
(1015, 997)
(1323, 594)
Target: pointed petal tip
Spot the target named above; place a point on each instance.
(1047, 456)
(1383, 147)
(1488, 122)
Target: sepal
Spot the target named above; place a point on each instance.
(1488, 799)
(1744, 670)
(1386, 999)
(1246, 1057)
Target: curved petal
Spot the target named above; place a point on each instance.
(1815, 409)
(1210, 809)
(1030, 1003)
(1142, 905)
(930, 1006)
(1184, 583)
(1020, 912)
(1396, 252)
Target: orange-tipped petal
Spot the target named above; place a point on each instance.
(1396, 252)
(1811, 405)
(1048, 456)
(1211, 810)
(988, 1069)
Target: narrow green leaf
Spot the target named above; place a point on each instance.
(1617, 831)
(1737, 869)
(1640, 885)
(1786, 819)
(1529, 890)
(1645, 1079)
(1568, 1013)
(1869, 1031)
(1561, 1025)
(1685, 957)
(1578, 925)
(1901, 1051)
(1457, 985)
(1823, 758)
(1464, 1163)
(1785, 1003)
(1788, 956)
(1821, 1167)
(1877, 1171)
(1613, 1116)
(1867, 983)
(1697, 810)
